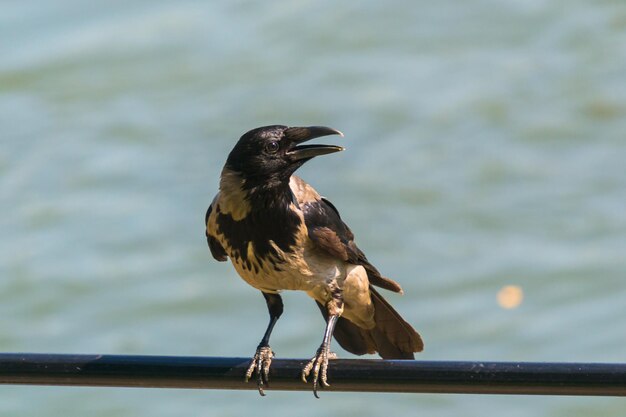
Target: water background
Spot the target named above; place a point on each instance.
(486, 147)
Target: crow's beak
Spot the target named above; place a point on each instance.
(302, 134)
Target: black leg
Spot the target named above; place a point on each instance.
(263, 356)
(275, 308)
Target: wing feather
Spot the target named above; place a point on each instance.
(333, 236)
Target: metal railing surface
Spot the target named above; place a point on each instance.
(521, 378)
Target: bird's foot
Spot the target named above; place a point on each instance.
(319, 365)
(261, 364)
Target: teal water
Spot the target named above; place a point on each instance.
(486, 148)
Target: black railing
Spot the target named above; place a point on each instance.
(344, 374)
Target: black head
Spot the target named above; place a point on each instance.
(271, 154)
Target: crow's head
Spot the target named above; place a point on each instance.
(271, 154)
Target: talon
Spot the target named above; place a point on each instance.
(249, 371)
(319, 366)
(307, 370)
(260, 364)
(324, 372)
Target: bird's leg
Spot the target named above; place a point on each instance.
(263, 357)
(319, 363)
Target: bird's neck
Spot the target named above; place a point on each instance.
(270, 197)
(240, 196)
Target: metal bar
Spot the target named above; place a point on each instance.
(363, 375)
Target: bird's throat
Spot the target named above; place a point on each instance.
(256, 222)
(241, 196)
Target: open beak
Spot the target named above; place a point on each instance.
(299, 135)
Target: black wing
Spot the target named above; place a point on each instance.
(216, 248)
(332, 235)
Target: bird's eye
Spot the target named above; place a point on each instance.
(272, 147)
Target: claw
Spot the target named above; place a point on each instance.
(319, 365)
(261, 364)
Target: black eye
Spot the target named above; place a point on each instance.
(272, 147)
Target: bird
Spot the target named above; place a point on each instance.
(281, 234)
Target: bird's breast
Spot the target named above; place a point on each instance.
(273, 252)
(300, 267)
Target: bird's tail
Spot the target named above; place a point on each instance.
(392, 337)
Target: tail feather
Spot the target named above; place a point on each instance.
(392, 337)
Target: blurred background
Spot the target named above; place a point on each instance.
(484, 171)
